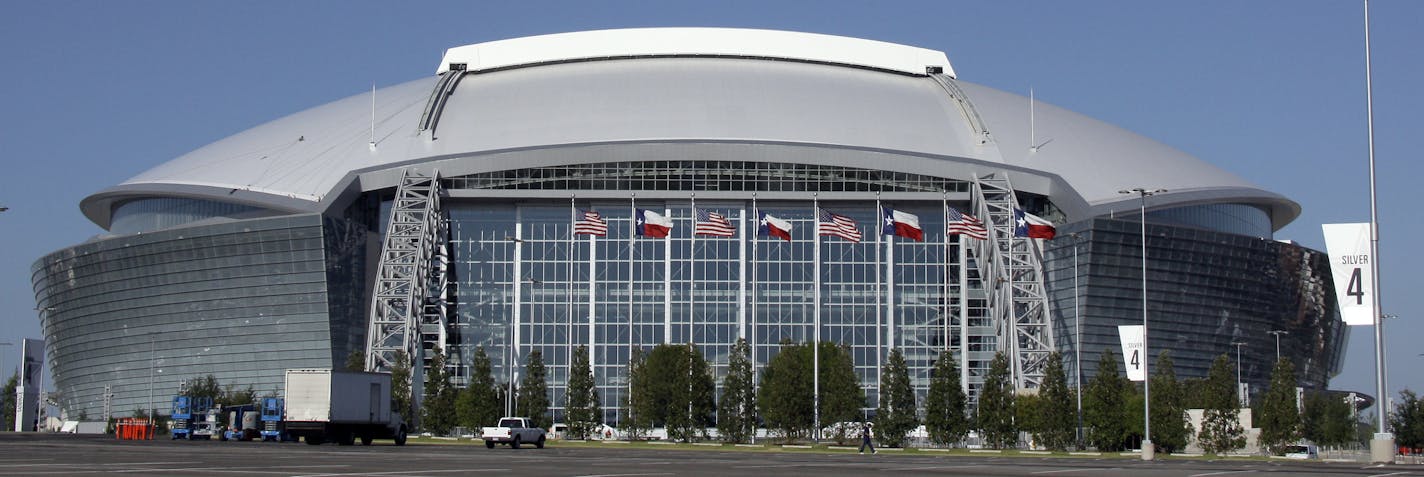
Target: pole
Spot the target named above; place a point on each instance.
(1382, 446)
(1241, 399)
(816, 318)
(1077, 341)
(151, 350)
(1278, 334)
(1148, 451)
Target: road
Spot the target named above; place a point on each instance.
(56, 454)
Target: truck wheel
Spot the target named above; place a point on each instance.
(514, 443)
(314, 439)
(365, 440)
(400, 436)
(489, 444)
(347, 438)
(540, 443)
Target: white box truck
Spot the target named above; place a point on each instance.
(341, 406)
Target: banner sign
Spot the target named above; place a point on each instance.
(1132, 351)
(1352, 268)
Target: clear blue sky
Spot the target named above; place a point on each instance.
(93, 93)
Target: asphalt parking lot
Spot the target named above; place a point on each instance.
(55, 454)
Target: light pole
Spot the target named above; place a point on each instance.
(1148, 452)
(1240, 397)
(1278, 334)
(151, 353)
(1077, 340)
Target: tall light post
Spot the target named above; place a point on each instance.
(1240, 397)
(1148, 452)
(151, 354)
(1077, 339)
(1382, 448)
(1278, 334)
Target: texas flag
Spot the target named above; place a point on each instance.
(1032, 226)
(903, 224)
(773, 227)
(652, 224)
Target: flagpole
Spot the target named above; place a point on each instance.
(692, 274)
(879, 297)
(592, 301)
(632, 233)
(816, 317)
(752, 317)
(964, 318)
(667, 279)
(569, 310)
(944, 203)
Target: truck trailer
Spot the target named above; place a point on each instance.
(341, 406)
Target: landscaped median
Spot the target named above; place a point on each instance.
(829, 448)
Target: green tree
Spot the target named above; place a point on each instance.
(7, 397)
(1170, 429)
(1221, 427)
(1104, 412)
(841, 395)
(356, 360)
(638, 400)
(478, 405)
(206, 387)
(438, 413)
(1408, 420)
(400, 387)
(534, 391)
(944, 405)
(1058, 415)
(702, 400)
(680, 389)
(1028, 415)
(582, 410)
(1280, 420)
(736, 411)
(896, 415)
(1327, 419)
(785, 393)
(995, 414)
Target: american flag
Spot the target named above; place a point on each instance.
(712, 223)
(965, 224)
(837, 225)
(590, 223)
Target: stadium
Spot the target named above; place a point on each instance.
(625, 188)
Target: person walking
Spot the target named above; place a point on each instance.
(865, 434)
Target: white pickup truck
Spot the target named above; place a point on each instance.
(513, 431)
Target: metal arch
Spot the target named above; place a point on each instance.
(1013, 271)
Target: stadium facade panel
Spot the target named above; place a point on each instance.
(542, 128)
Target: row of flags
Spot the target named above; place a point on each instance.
(898, 223)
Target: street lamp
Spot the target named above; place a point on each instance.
(1077, 339)
(1147, 450)
(1278, 334)
(151, 353)
(1240, 397)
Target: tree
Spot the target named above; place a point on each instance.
(231, 396)
(1408, 420)
(1221, 427)
(785, 393)
(205, 387)
(1326, 420)
(356, 360)
(638, 401)
(895, 417)
(944, 405)
(1104, 406)
(478, 404)
(438, 409)
(995, 414)
(534, 391)
(582, 410)
(7, 397)
(1170, 429)
(400, 386)
(736, 411)
(1028, 416)
(1057, 411)
(1280, 420)
(680, 389)
(841, 396)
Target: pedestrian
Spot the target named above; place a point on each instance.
(865, 434)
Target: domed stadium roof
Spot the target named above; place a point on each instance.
(618, 95)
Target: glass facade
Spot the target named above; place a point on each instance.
(160, 213)
(242, 301)
(1205, 290)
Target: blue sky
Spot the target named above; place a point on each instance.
(93, 93)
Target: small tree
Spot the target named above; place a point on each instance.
(1408, 420)
(1104, 406)
(232, 396)
(1280, 420)
(584, 414)
(478, 405)
(841, 395)
(736, 411)
(1057, 413)
(438, 413)
(637, 401)
(7, 397)
(895, 417)
(995, 414)
(206, 387)
(1221, 428)
(356, 360)
(944, 405)
(1327, 420)
(1170, 429)
(534, 391)
(700, 398)
(785, 393)
(400, 386)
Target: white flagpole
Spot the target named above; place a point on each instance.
(692, 275)
(963, 318)
(816, 316)
(879, 295)
(742, 274)
(667, 279)
(632, 233)
(569, 282)
(944, 202)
